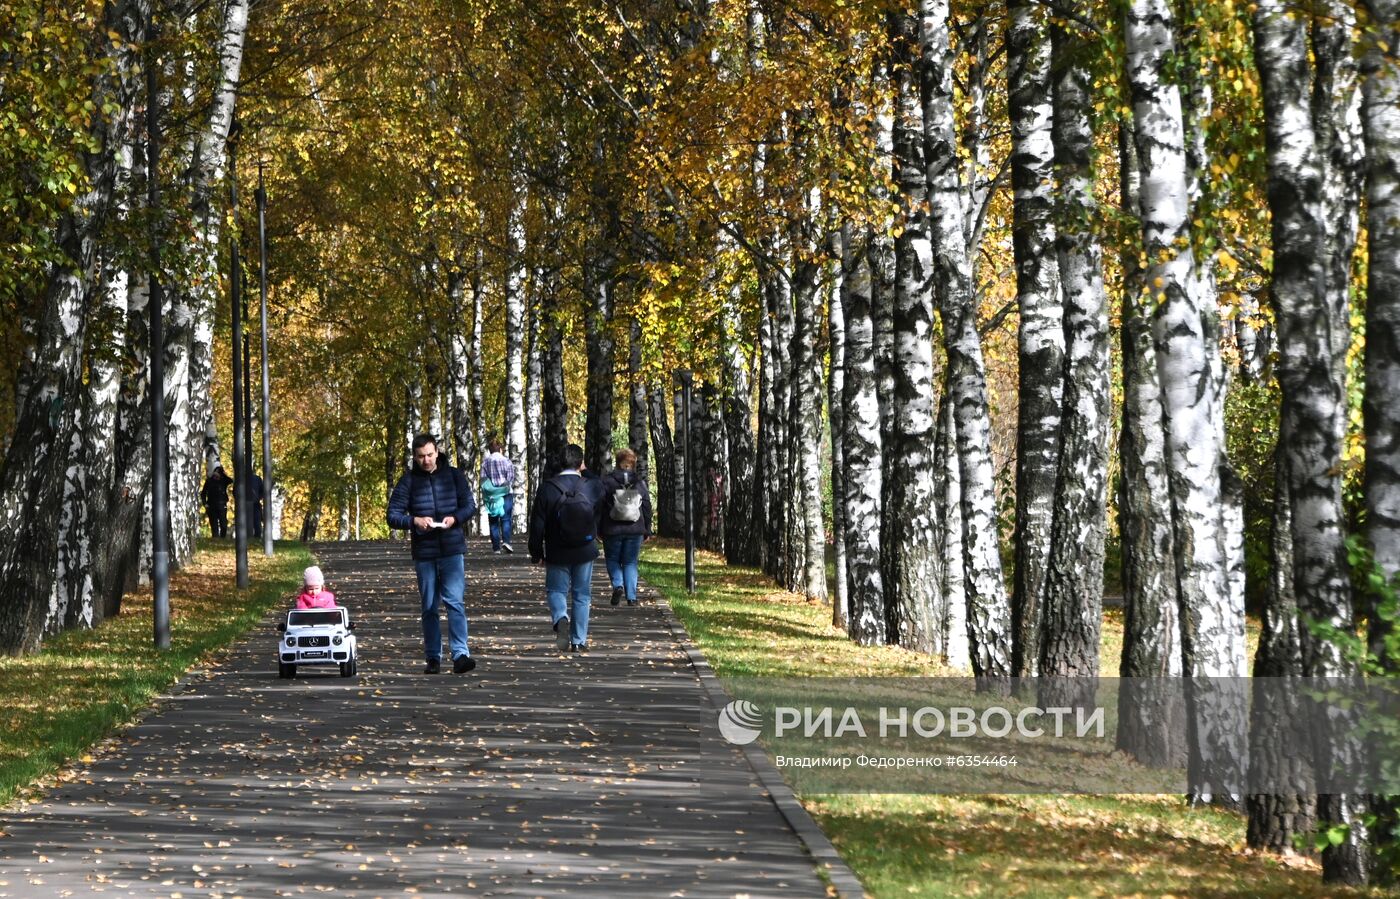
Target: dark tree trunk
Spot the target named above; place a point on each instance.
(739, 545)
(663, 467)
(805, 435)
(1275, 819)
(311, 522)
(556, 406)
(711, 477)
(773, 440)
(637, 402)
(598, 421)
(1381, 118)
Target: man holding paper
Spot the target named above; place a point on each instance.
(432, 501)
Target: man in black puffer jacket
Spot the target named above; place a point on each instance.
(434, 501)
(564, 538)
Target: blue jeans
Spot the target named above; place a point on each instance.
(441, 582)
(621, 553)
(562, 581)
(501, 524)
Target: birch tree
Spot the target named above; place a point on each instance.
(1151, 726)
(1072, 616)
(989, 613)
(35, 469)
(862, 471)
(910, 549)
(189, 337)
(1307, 138)
(1381, 118)
(515, 345)
(739, 545)
(1041, 338)
(836, 375)
(1183, 334)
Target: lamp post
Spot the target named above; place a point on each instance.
(240, 504)
(252, 494)
(686, 380)
(160, 444)
(266, 388)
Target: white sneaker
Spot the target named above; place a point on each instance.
(507, 547)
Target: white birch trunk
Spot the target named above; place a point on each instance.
(989, 613)
(1185, 332)
(958, 652)
(1072, 614)
(863, 453)
(1041, 335)
(32, 480)
(534, 393)
(806, 433)
(476, 398)
(190, 334)
(1308, 157)
(910, 540)
(459, 376)
(1151, 728)
(836, 356)
(515, 342)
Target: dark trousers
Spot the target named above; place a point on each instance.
(218, 520)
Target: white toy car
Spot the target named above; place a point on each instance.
(316, 637)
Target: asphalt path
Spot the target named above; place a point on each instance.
(538, 774)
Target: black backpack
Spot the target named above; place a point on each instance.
(572, 523)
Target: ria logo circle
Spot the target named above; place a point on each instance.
(740, 722)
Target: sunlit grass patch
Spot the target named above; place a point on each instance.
(56, 704)
(971, 845)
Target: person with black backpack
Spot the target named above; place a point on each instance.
(624, 523)
(564, 537)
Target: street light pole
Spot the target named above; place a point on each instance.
(160, 444)
(266, 386)
(240, 503)
(253, 523)
(687, 380)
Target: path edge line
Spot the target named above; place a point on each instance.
(812, 837)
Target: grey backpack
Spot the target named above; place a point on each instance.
(627, 503)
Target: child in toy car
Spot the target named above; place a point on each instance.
(314, 594)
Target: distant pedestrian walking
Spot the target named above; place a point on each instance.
(433, 500)
(252, 496)
(563, 536)
(214, 495)
(624, 523)
(498, 472)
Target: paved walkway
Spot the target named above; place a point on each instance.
(538, 774)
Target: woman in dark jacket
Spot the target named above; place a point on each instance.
(624, 522)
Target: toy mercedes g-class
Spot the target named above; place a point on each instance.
(316, 637)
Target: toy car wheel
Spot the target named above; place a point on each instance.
(347, 669)
(285, 670)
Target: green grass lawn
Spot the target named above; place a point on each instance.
(58, 703)
(973, 845)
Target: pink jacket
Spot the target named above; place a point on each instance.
(320, 599)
